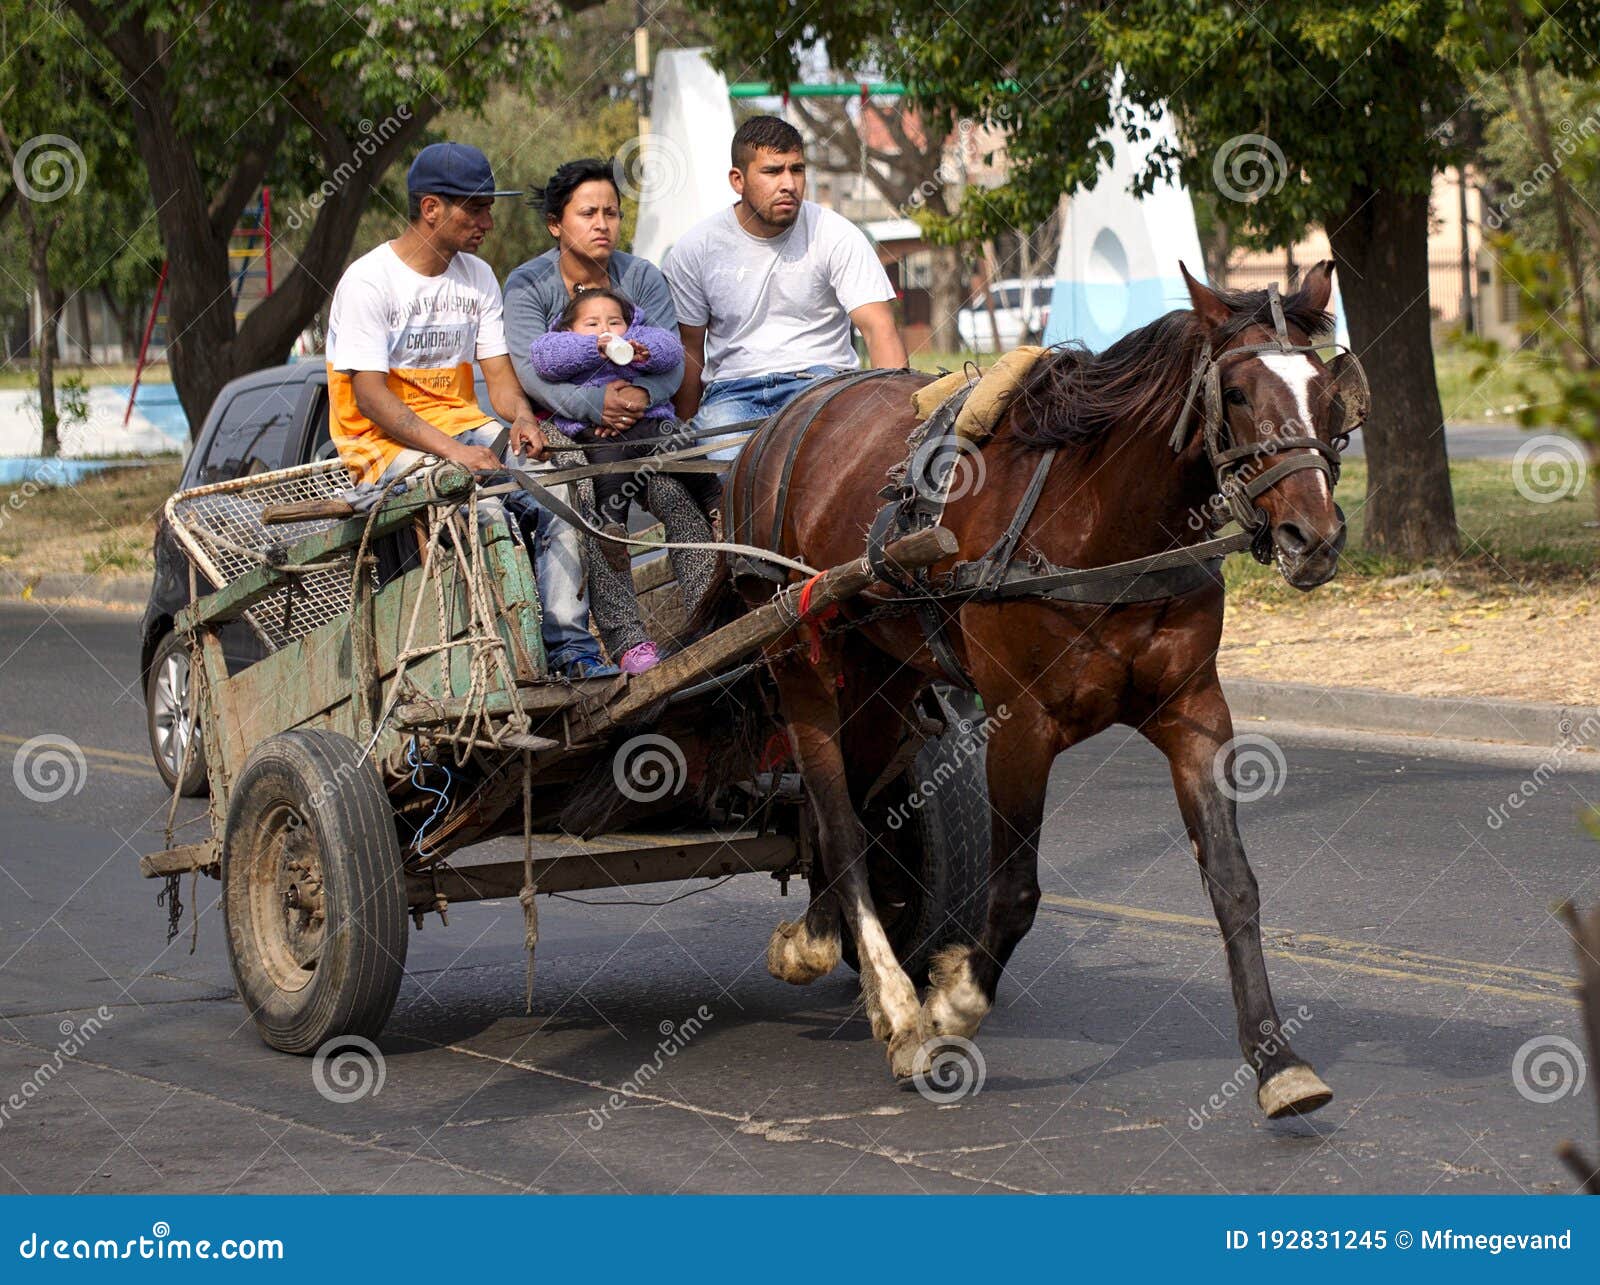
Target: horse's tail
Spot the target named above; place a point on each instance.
(719, 605)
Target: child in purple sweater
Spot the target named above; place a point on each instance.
(599, 339)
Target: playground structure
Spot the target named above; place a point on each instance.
(250, 266)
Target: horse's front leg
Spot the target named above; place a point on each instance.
(1192, 730)
(963, 979)
(810, 707)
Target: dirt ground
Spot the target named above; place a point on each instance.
(1430, 637)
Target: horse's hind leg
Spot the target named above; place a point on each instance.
(878, 719)
(963, 979)
(1191, 730)
(804, 949)
(811, 710)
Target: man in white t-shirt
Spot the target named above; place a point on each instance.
(406, 324)
(767, 290)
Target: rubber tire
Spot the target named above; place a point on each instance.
(942, 846)
(194, 785)
(357, 976)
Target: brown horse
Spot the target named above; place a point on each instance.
(1122, 485)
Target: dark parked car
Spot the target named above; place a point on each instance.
(268, 420)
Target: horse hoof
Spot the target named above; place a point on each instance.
(910, 1054)
(796, 957)
(1296, 1091)
(955, 1005)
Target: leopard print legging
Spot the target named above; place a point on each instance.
(612, 601)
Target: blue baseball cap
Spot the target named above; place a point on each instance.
(452, 169)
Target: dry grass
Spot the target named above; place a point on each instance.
(1512, 617)
(104, 524)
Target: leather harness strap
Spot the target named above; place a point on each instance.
(753, 458)
(918, 490)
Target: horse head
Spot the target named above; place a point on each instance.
(1274, 417)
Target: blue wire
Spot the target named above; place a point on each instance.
(418, 767)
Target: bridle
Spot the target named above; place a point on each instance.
(1229, 461)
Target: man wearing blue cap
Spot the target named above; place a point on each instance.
(407, 321)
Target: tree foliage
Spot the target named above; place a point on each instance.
(317, 100)
(1322, 112)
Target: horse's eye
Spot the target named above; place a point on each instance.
(1234, 397)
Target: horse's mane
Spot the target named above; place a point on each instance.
(1073, 397)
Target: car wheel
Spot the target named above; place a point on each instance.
(171, 722)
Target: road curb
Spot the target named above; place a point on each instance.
(1456, 718)
(120, 592)
(1535, 724)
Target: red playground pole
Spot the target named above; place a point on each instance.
(266, 227)
(144, 344)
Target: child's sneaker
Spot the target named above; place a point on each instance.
(618, 556)
(638, 659)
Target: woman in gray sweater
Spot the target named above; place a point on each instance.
(583, 213)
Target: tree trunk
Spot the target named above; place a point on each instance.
(1380, 246)
(127, 321)
(44, 344)
(85, 334)
(946, 294)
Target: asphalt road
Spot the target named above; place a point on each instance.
(1494, 441)
(1412, 942)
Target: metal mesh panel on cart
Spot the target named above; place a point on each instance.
(220, 527)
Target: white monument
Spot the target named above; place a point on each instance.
(681, 171)
(1118, 265)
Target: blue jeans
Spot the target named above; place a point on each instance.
(557, 553)
(730, 401)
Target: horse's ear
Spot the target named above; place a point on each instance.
(1207, 303)
(1316, 287)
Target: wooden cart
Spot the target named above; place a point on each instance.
(404, 714)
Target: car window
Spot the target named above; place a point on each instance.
(322, 447)
(253, 433)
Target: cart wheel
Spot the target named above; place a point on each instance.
(169, 720)
(312, 891)
(929, 872)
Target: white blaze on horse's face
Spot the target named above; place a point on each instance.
(1297, 370)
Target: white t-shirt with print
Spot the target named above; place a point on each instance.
(424, 333)
(778, 304)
